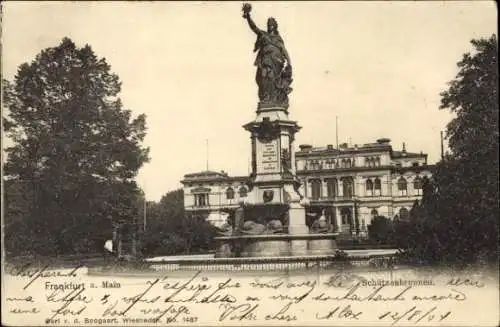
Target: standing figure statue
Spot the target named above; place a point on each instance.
(274, 70)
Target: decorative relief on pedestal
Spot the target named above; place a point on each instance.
(267, 130)
(267, 196)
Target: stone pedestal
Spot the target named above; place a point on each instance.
(297, 226)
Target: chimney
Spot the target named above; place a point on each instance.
(305, 147)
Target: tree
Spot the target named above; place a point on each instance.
(75, 148)
(381, 230)
(458, 218)
(173, 231)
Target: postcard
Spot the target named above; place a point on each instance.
(254, 164)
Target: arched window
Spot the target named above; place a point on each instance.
(348, 163)
(243, 191)
(229, 193)
(331, 188)
(417, 185)
(402, 186)
(378, 162)
(315, 189)
(404, 214)
(369, 187)
(348, 187)
(377, 187)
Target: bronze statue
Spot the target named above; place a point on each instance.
(274, 69)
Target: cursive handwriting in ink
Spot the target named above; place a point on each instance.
(465, 282)
(414, 315)
(337, 313)
(244, 311)
(187, 286)
(274, 284)
(61, 296)
(22, 311)
(140, 296)
(282, 314)
(352, 295)
(294, 299)
(452, 295)
(214, 297)
(20, 299)
(67, 300)
(344, 280)
(175, 311)
(43, 272)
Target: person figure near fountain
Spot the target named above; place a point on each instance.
(273, 76)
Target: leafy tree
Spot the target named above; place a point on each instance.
(173, 231)
(381, 230)
(75, 148)
(458, 219)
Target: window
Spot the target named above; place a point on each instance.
(374, 213)
(331, 188)
(404, 214)
(377, 187)
(369, 187)
(378, 161)
(346, 216)
(315, 189)
(417, 185)
(414, 164)
(402, 187)
(243, 191)
(348, 187)
(201, 200)
(229, 193)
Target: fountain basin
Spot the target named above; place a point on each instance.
(275, 245)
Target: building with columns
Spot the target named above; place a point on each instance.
(349, 185)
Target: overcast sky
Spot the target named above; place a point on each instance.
(378, 66)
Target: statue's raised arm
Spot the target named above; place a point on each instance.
(246, 14)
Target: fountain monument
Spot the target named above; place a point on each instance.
(272, 222)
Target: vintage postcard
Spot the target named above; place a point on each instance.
(254, 164)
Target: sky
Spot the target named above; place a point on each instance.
(378, 66)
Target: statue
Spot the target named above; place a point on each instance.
(225, 230)
(321, 225)
(274, 70)
(274, 226)
(239, 218)
(250, 227)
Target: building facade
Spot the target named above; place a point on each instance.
(349, 185)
